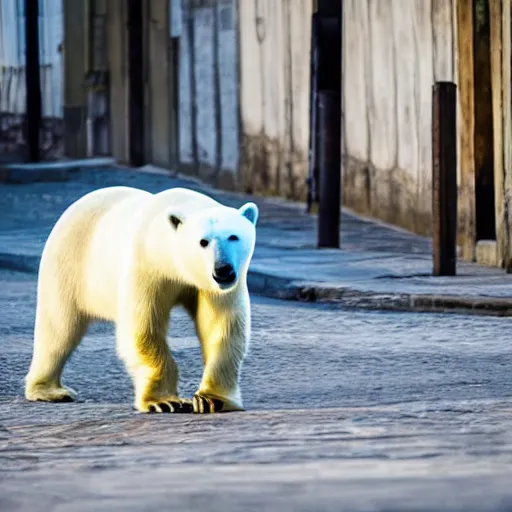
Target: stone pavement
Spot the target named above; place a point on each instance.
(378, 266)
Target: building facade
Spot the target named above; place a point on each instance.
(225, 96)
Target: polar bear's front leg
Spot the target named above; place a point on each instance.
(224, 334)
(142, 345)
(154, 372)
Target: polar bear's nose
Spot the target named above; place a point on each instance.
(224, 273)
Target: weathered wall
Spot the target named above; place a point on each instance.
(393, 53)
(208, 91)
(275, 38)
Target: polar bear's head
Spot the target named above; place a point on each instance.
(215, 245)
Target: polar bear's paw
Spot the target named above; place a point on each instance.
(166, 405)
(43, 393)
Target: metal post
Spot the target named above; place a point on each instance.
(135, 82)
(329, 129)
(326, 73)
(32, 80)
(444, 179)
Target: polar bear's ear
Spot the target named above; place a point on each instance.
(175, 220)
(250, 212)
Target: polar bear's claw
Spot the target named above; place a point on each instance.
(204, 404)
(168, 406)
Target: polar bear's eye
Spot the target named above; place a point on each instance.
(204, 243)
(233, 238)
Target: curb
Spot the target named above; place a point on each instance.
(22, 174)
(275, 287)
(287, 289)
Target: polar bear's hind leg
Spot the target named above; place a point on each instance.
(54, 341)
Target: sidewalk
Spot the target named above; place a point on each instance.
(379, 267)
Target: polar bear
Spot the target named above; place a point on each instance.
(129, 256)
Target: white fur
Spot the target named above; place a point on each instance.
(128, 256)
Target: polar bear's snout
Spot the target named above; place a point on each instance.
(224, 274)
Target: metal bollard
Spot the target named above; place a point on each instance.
(444, 179)
(329, 149)
(32, 80)
(135, 41)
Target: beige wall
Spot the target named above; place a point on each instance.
(393, 53)
(274, 95)
(208, 116)
(243, 104)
